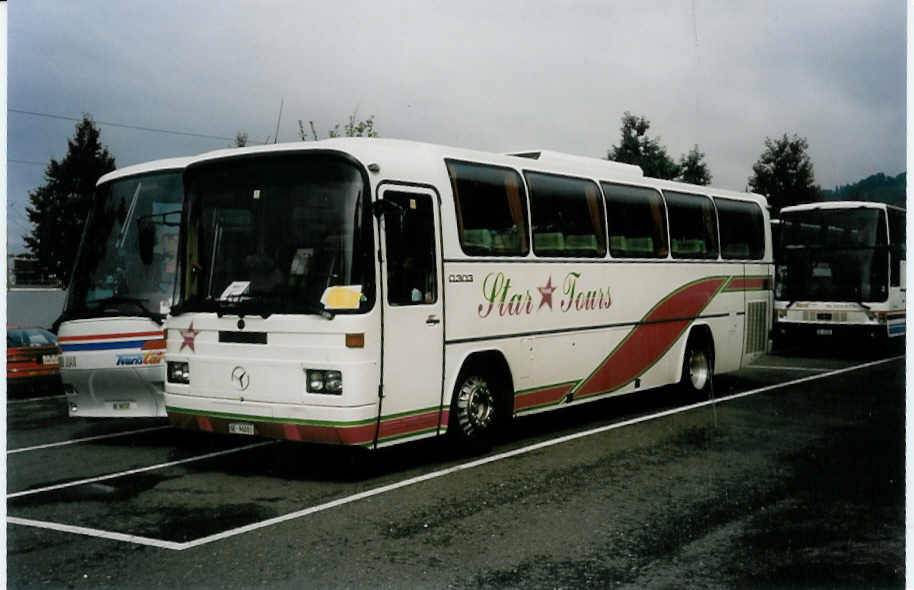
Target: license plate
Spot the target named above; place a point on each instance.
(50, 359)
(241, 428)
(120, 405)
(823, 332)
(68, 362)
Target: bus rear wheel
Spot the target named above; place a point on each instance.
(474, 409)
(697, 368)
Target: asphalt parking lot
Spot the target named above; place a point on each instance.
(793, 476)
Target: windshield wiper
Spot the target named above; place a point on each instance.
(158, 318)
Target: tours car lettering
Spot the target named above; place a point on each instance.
(583, 300)
(501, 298)
(149, 358)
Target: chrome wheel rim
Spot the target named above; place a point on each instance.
(699, 369)
(475, 406)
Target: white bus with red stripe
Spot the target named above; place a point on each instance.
(840, 273)
(369, 292)
(111, 332)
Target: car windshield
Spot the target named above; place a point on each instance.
(271, 234)
(21, 337)
(833, 255)
(126, 264)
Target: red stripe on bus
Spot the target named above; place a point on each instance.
(407, 424)
(159, 333)
(748, 284)
(648, 341)
(550, 395)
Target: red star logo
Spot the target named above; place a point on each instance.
(546, 294)
(188, 335)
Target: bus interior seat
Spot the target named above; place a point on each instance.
(549, 242)
(477, 239)
(506, 241)
(582, 243)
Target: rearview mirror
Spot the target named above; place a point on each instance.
(147, 239)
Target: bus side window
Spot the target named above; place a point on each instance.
(566, 215)
(491, 208)
(637, 221)
(409, 241)
(693, 228)
(742, 229)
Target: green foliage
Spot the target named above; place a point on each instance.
(355, 127)
(693, 169)
(637, 148)
(241, 139)
(59, 207)
(784, 173)
(879, 188)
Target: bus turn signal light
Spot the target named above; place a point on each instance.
(355, 340)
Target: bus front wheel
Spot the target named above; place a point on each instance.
(474, 409)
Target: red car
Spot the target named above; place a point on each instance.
(32, 361)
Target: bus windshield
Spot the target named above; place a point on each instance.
(836, 254)
(271, 234)
(126, 265)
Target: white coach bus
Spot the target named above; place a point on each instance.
(369, 292)
(840, 272)
(111, 332)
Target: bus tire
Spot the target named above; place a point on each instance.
(697, 367)
(475, 408)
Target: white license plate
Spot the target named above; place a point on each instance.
(120, 405)
(50, 359)
(241, 428)
(68, 362)
(823, 332)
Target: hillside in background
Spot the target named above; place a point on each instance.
(878, 187)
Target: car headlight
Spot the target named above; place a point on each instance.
(320, 381)
(178, 372)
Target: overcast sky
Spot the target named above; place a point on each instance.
(493, 75)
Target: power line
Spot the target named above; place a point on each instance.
(136, 127)
(30, 162)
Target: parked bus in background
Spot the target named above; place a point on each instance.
(840, 272)
(369, 292)
(111, 332)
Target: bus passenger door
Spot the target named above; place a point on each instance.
(412, 326)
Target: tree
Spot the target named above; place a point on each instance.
(639, 149)
(784, 173)
(59, 207)
(241, 139)
(693, 169)
(353, 128)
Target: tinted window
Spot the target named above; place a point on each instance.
(636, 219)
(409, 241)
(742, 229)
(491, 209)
(897, 241)
(567, 216)
(693, 229)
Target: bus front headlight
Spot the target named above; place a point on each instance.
(320, 381)
(178, 372)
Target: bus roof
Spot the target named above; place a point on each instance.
(397, 157)
(152, 166)
(839, 205)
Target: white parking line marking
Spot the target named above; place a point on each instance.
(138, 470)
(443, 472)
(10, 402)
(75, 441)
(78, 530)
(777, 367)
